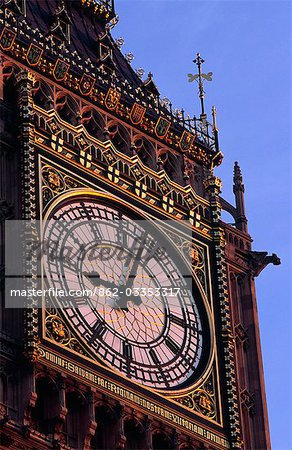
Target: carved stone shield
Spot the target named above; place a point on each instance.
(86, 84)
(162, 127)
(34, 54)
(60, 70)
(186, 141)
(137, 113)
(112, 99)
(7, 38)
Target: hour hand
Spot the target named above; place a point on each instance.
(136, 300)
(118, 303)
(95, 279)
(122, 301)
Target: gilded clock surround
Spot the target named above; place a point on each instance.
(201, 397)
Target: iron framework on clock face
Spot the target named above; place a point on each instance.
(123, 287)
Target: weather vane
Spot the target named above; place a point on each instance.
(199, 77)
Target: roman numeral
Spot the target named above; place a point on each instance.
(127, 350)
(172, 345)
(194, 328)
(78, 302)
(177, 320)
(98, 330)
(154, 357)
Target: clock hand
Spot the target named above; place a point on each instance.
(95, 279)
(133, 273)
(115, 303)
(127, 278)
(129, 271)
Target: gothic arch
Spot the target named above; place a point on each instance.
(68, 108)
(93, 122)
(46, 408)
(135, 433)
(120, 137)
(173, 165)
(105, 418)
(77, 412)
(146, 151)
(10, 72)
(43, 95)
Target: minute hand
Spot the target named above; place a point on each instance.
(137, 258)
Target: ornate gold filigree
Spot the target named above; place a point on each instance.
(55, 182)
(202, 400)
(57, 330)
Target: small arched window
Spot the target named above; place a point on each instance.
(174, 167)
(46, 408)
(161, 440)
(135, 435)
(43, 95)
(75, 419)
(104, 436)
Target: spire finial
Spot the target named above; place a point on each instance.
(199, 78)
(237, 178)
(238, 189)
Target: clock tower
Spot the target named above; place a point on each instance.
(129, 316)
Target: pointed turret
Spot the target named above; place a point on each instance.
(238, 189)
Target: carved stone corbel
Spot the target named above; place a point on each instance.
(258, 261)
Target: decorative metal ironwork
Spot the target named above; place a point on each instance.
(129, 329)
(203, 399)
(199, 77)
(120, 42)
(57, 330)
(129, 57)
(140, 72)
(54, 183)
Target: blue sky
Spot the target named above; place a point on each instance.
(247, 46)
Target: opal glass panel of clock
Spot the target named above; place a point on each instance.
(124, 285)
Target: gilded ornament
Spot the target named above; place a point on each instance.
(57, 330)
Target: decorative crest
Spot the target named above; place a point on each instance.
(120, 42)
(129, 57)
(199, 77)
(140, 72)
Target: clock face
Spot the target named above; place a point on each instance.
(124, 294)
